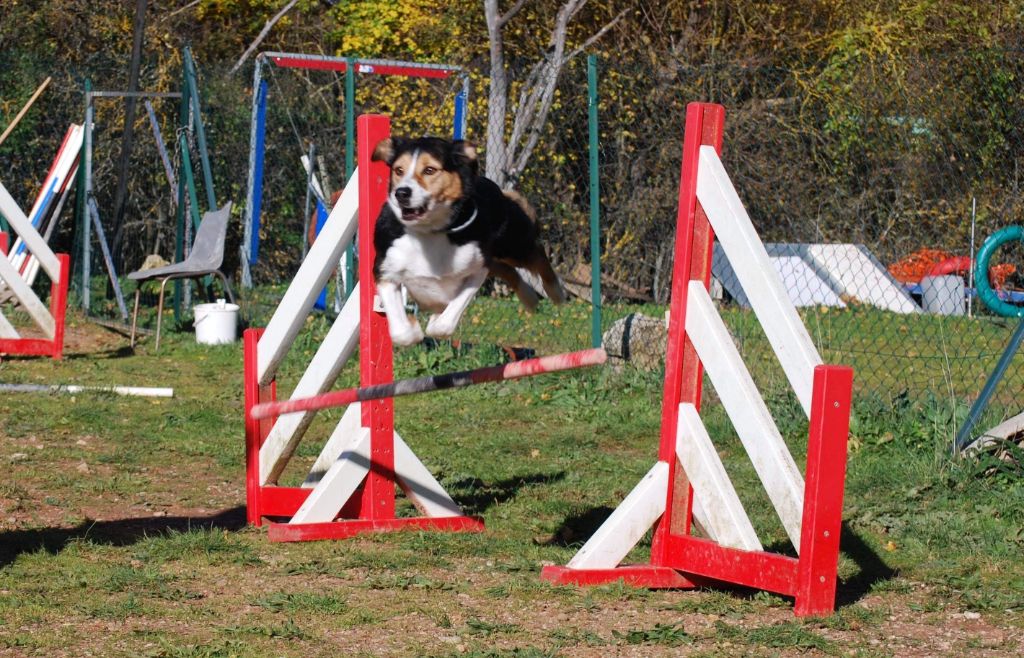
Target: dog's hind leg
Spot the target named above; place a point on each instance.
(539, 264)
(524, 291)
(444, 324)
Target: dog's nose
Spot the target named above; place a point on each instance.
(403, 194)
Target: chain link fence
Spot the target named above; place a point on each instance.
(859, 196)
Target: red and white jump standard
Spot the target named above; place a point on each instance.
(351, 487)
(688, 484)
(17, 270)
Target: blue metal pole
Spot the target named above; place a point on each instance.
(257, 187)
(963, 437)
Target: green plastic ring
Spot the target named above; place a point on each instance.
(985, 292)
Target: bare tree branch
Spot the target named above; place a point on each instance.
(508, 157)
(180, 9)
(263, 34)
(600, 33)
(511, 13)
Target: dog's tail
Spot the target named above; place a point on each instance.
(520, 200)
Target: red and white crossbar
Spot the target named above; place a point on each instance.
(514, 370)
(364, 66)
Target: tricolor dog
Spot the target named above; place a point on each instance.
(443, 231)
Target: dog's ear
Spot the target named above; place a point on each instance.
(384, 151)
(464, 153)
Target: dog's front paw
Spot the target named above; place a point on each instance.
(410, 334)
(440, 327)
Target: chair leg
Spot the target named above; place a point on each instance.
(135, 313)
(227, 288)
(160, 312)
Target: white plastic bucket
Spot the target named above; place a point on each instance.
(216, 324)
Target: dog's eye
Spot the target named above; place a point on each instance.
(429, 171)
(399, 171)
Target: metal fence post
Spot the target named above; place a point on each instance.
(87, 187)
(595, 203)
(350, 161)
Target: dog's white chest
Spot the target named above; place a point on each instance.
(431, 267)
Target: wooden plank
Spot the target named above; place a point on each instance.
(28, 234)
(758, 569)
(338, 484)
(350, 423)
(425, 492)
(307, 283)
(346, 528)
(321, 373)
(746, 409)
(726, 521)
(23, 292)
(627, 524)
(7, 330)
(828, 433)
(776, 313)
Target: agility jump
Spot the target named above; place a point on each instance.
(351, 487)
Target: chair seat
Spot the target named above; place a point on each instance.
(175, 270)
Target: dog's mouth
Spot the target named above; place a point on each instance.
(414, 214)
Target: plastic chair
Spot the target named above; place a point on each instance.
(205, 258)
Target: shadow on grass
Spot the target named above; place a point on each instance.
(578, 528)
(121, 532)
(872, 570)
(475, 496)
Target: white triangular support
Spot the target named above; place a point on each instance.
(775, 312)
(343, 464)
(627, 524)
(726, 521)
(746, 409)
(321, 373)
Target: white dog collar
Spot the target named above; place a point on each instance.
(464, 224)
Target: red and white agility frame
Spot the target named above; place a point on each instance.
(688, 482)
(16, 273)
(351, 486)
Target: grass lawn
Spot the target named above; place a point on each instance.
(122, 527)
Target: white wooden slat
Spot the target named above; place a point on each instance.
(726, 521)
(627, 524)
(700, 518)
(7, 330)
(33, 241)
(425, 492)
(63, 171)
(350, 423)
(33, 306)
(323, 257)
(778, 317)
(746, 409)
(321, 373)
(339, 483)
